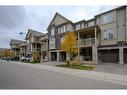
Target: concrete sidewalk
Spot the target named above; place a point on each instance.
(102, 76)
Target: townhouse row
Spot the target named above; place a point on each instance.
(102, 39)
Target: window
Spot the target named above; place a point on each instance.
(59, 31)
(107, 18)
(62, 39)
(52, 43)
(91, 23)
(62, 29)
(52, 31)
(108, 34)
(77, 27)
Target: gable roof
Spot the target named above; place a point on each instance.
(60, 16)
(15, 41)
(33, 33)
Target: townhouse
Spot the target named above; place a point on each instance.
(15, 46)
(56, 31)
(102, 39)
(33, 44)
(44, 47)
(23, 47)
(113, 35)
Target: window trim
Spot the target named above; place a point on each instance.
(108, 38)
(52, 32)
(108, 15)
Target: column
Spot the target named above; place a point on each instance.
(121, 58)
(78, 46)
(94, 54)
(58, 57)
(94, 49)
(41, 53)
(49, 56)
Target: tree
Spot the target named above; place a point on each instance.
(6, 53)
(36, 56)
(12, 54)
(69, 45)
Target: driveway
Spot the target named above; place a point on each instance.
(112, 68)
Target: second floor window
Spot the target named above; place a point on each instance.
(52, 31)
(62, 29)
(78, 26)
(108, 34)
(91, 23)
(107, 18)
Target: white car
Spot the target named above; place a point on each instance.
(24, 59)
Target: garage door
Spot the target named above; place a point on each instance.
(110, 56)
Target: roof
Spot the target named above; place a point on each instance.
(80, 21)
(61, 16)
(112, 10)
(34, 33)
(15, 41)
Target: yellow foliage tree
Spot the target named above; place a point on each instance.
(6, 53)
(12, 54)
(69, 45)
(36, 56)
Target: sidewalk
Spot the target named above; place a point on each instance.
(102, 76)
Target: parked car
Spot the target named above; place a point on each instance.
(25, 59)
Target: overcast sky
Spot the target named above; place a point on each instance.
(16, 19)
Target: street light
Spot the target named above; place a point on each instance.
(21, 33)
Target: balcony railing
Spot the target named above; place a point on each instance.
(87, 42)
(36, 49)
(44, 47)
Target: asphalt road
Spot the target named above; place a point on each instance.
(15, 76)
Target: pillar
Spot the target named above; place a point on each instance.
(121, 58)
(94, 54)
(78, 45)
(94, 49)
(58, 56)
(49, 56)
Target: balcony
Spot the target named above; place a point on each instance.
(36, 49)
(15, 46)
(86, 42)
(44, 47)
(22, 50)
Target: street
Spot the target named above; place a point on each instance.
(15, 76)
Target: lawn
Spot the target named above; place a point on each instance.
(33, 62)
(80, 67)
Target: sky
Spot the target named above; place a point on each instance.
(16, 19)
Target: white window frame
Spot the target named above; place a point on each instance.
(52, 31)
(62, 29)
(78, 26)
(52, 41)
(106, 34)
(107, 18)
(59, 30)
(91, 23)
